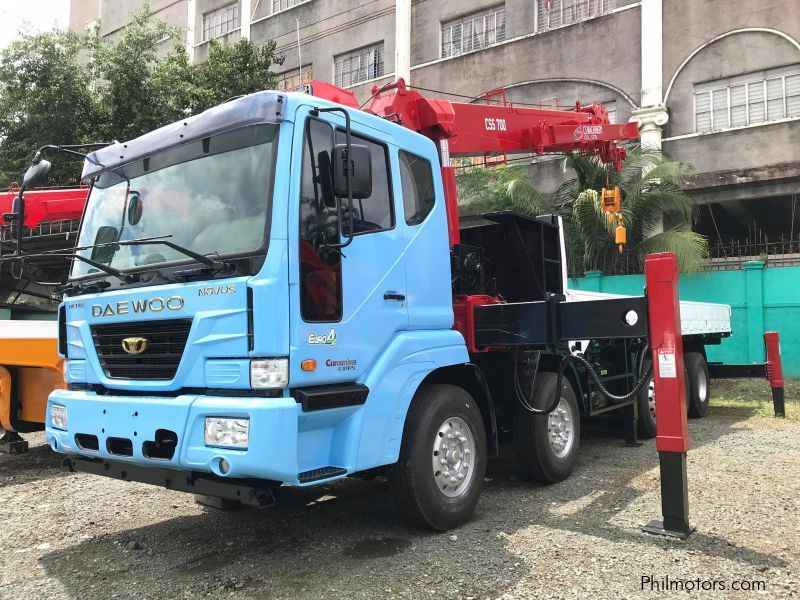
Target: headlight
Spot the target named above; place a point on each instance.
(58, 416)
(269, 373)
(227, 432)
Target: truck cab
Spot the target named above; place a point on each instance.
(291, 357)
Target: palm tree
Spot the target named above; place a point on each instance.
(652, 196)
(656, 211)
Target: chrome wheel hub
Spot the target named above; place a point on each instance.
(702, 386)
(561, 429)
(453, 457)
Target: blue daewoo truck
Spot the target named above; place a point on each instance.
(277, 292)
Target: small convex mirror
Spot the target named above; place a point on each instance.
(106, 234)
(134, 208)
(36, 173)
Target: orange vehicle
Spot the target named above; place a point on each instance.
(30, 369)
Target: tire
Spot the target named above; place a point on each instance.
(545, 461)
(646, 423)
(422, 490)
(698, 394)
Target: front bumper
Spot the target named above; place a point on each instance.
(278, 428)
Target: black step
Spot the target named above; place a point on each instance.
(321, 473)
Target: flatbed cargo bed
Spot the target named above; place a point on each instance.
(697, 318)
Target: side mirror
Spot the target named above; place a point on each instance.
(36, 173)
(360, 165)
(106, 234)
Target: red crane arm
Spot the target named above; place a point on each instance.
(478, 129)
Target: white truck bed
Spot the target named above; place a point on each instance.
(28, 329)
(697, 318)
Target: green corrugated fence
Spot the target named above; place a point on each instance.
(761, 299)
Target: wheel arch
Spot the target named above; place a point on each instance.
(470, 378)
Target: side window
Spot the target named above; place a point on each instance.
(416, 178)
(320, 269)
(374, 213)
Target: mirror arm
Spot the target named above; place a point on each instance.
(70, 149)
(348, 166)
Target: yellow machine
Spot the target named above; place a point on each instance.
(29, 370)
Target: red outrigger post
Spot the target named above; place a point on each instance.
(672, 431)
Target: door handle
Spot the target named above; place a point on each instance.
(394, 296)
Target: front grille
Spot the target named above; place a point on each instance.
(166, 341)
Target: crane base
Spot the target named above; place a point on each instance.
(657, 528)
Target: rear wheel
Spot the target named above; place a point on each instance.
(698, 394)
(438, 479)
(547, 445)
(646, 405)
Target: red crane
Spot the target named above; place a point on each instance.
(496, 126)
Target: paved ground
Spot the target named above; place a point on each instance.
(76, 535)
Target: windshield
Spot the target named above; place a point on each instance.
(211, 196)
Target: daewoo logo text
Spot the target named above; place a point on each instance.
(124, 307)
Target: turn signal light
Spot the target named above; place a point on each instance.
(309, 364)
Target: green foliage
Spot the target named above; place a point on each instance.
(656, 211)
(61, 88)
(503, 188)
(235, 70)
(44, 99)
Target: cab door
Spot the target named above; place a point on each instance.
(348, 303)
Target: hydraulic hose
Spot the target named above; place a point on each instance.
(527, 401)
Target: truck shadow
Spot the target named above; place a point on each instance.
(37, 464)
(345, 539)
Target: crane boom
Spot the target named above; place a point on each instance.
(474, 129)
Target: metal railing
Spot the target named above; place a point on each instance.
(784, 252)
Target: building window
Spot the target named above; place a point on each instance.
(291, 78)
(220, 22)
(552, 14)
(473, 32)
(359, 65)
(747, 99)
(279, 5)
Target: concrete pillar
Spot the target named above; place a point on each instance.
(246, 8)
(652, 116)
(754, 280)
(191, 16)
(402, 41)
(592, 281)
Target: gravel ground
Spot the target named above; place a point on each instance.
(77, 535)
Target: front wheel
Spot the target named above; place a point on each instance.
(438, 479)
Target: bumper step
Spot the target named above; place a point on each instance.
(321, 473)
(252, 492)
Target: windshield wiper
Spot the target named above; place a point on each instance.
(215, 265)
(124, 277)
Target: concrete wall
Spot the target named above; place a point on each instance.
(327, 28)
(760, 300)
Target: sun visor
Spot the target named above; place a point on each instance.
(261, 107)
